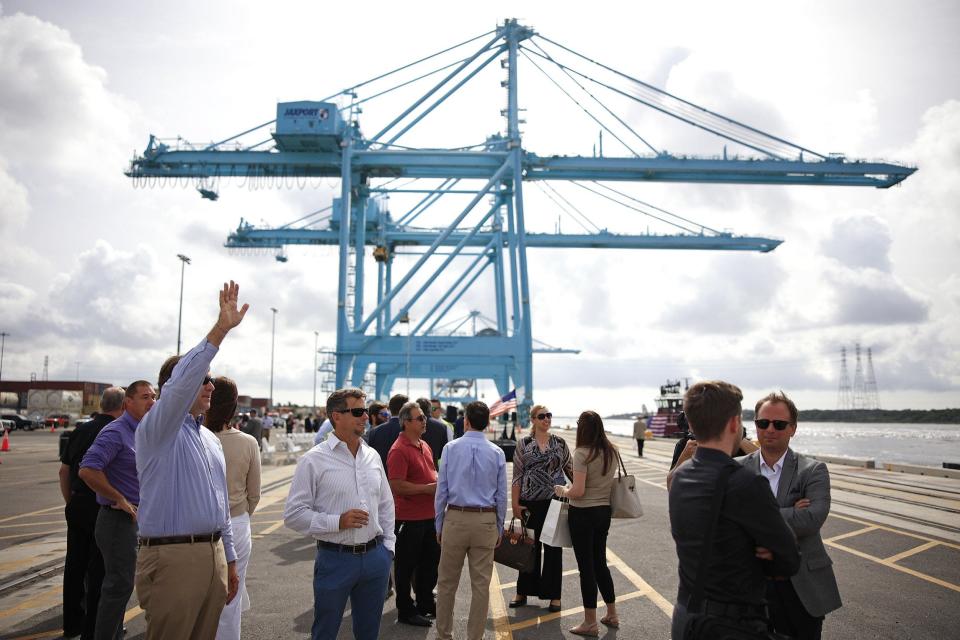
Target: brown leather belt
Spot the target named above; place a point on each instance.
(456, 507)
(355, 549)
(203, 537)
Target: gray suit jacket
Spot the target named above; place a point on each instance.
(803, 477)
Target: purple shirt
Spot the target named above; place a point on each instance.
(114, 453)
(182, 465)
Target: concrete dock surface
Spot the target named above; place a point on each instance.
(894, 539)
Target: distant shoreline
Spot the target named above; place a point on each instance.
(904, 416)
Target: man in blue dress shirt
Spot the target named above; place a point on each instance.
(186, 567)
(471, 503)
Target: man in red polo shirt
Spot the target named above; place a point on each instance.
(413, 479)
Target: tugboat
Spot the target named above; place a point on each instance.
(669, 406)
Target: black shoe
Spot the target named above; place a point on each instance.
(416, 620)
(553, 608)
(522, 602)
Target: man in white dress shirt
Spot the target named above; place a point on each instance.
(340, 496)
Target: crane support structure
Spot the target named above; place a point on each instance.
(483, 231)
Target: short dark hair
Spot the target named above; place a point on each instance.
(396, 402)
(166, 370)
(478, 413)
(253, 413)
(223, 403)
(708, 406)
(781, 397)
(425, 406)
(337, 401)
(132, 388)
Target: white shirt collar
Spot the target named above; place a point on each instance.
(777, 466)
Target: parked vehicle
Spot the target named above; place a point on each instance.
(6, 425)
(19, 422)
(57, 420)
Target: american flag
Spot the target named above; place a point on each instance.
(504, 404)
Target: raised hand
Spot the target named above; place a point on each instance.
(230, 314)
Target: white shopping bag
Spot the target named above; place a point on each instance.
(556, 530)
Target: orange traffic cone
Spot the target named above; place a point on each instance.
(5, 446)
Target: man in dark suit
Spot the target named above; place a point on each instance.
(751, 539)
(436, 434)
(382, 438)
(802, 488)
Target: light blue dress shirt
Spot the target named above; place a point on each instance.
(183, 474)
(473, 473)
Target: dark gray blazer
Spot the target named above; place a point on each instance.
(803, 477)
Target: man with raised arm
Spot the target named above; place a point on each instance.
(186, 567)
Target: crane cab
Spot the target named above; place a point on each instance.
(308, 126)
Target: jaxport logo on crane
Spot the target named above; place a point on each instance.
(296, 112)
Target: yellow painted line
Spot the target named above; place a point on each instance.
(44, 597)
(570, 572)
(909, 552)
(498, 610)
(538, 620)
(32, 513)
(662, 603)
(850, 534)
(276, 525)
(31, 524)
(897, 531)
(35, 533)
(132, 613)
(56, 633)
(916, 574)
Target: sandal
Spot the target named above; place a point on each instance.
(611, 621)
(589, 632)
(553, 608)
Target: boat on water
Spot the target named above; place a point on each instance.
(663, 424)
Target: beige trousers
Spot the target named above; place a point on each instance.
(472, 536)
(182, 589)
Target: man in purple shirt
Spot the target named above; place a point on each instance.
(110, 468)
(186, 567)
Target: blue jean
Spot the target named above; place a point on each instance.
(362, 578)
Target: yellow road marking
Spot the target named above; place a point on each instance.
(850, 534)
(49, 595)
(44, 634)
(35, 533)
(31, 524)
(132, 613)
(909, 552)
(498, 611)
(32, 513)
(916, 574)
(273, 527)
(662, 603)
(897, 531)
(538, 620)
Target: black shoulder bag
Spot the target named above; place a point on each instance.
(705, 626)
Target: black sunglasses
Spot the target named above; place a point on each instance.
(356, 412)
(207, 380)
(420, 418)
(779, 425)
(544, 416)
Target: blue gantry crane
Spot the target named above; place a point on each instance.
(475, 196)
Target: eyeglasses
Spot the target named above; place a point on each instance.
(355, 412)
(420, 418)
(544, 416)
(779, 425)
(207, 380)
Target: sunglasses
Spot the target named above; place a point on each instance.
(384, 414)
(207, 380)
(356, 412)
(779, 425)
(420, 418)
(544, 416)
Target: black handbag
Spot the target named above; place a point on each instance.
(516, 550)
(701, 625)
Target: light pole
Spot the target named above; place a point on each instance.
(184, 261)
(3, 343)
(316, 337)
(405, 319)
(273, 341)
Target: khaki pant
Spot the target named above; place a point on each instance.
(182, 589)
(474, 536)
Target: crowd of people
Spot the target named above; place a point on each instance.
(160, 487)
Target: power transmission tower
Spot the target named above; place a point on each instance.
(870, 386)
(844, 393)
(859, 399)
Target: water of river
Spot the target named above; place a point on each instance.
(926, 444)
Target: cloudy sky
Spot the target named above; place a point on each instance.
(89, 273)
